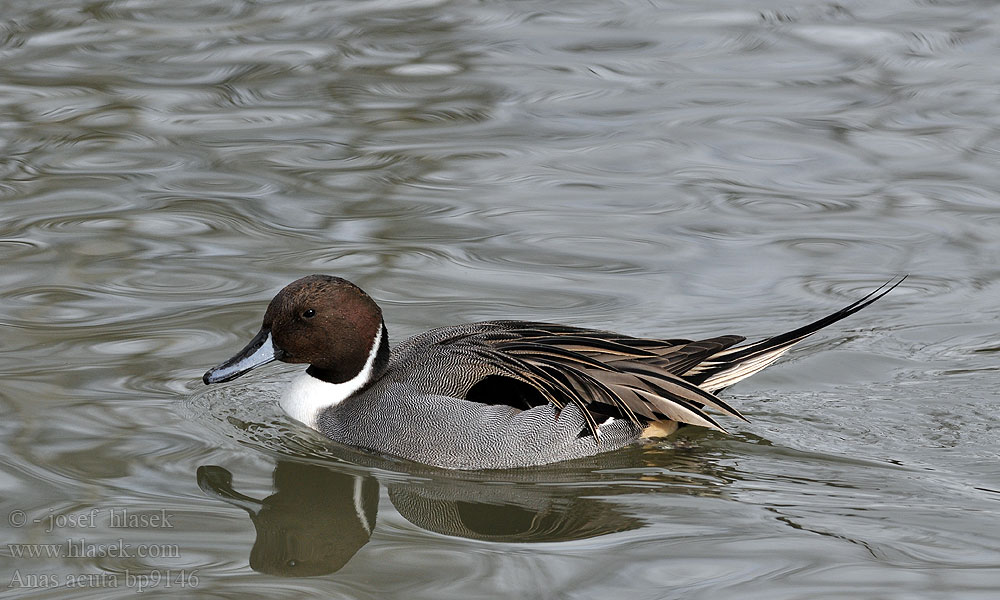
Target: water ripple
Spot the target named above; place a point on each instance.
(698, 168)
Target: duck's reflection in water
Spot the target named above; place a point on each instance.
(314, 522)
(320, 516)
(506, 513)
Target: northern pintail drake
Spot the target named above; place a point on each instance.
(495, 394)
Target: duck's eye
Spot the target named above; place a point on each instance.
(309, 313)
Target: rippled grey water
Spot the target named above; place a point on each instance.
(659, 168)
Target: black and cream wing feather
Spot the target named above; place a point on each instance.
(610, 375)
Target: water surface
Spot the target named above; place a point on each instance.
(659, 168)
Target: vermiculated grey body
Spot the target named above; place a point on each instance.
(414, 411)
(458, 434)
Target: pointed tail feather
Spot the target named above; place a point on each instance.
(725, 368)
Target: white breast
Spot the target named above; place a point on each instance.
(308, 396)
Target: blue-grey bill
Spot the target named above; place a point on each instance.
(259, 351)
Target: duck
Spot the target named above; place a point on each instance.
(494, 394)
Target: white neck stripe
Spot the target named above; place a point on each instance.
(308, 396)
